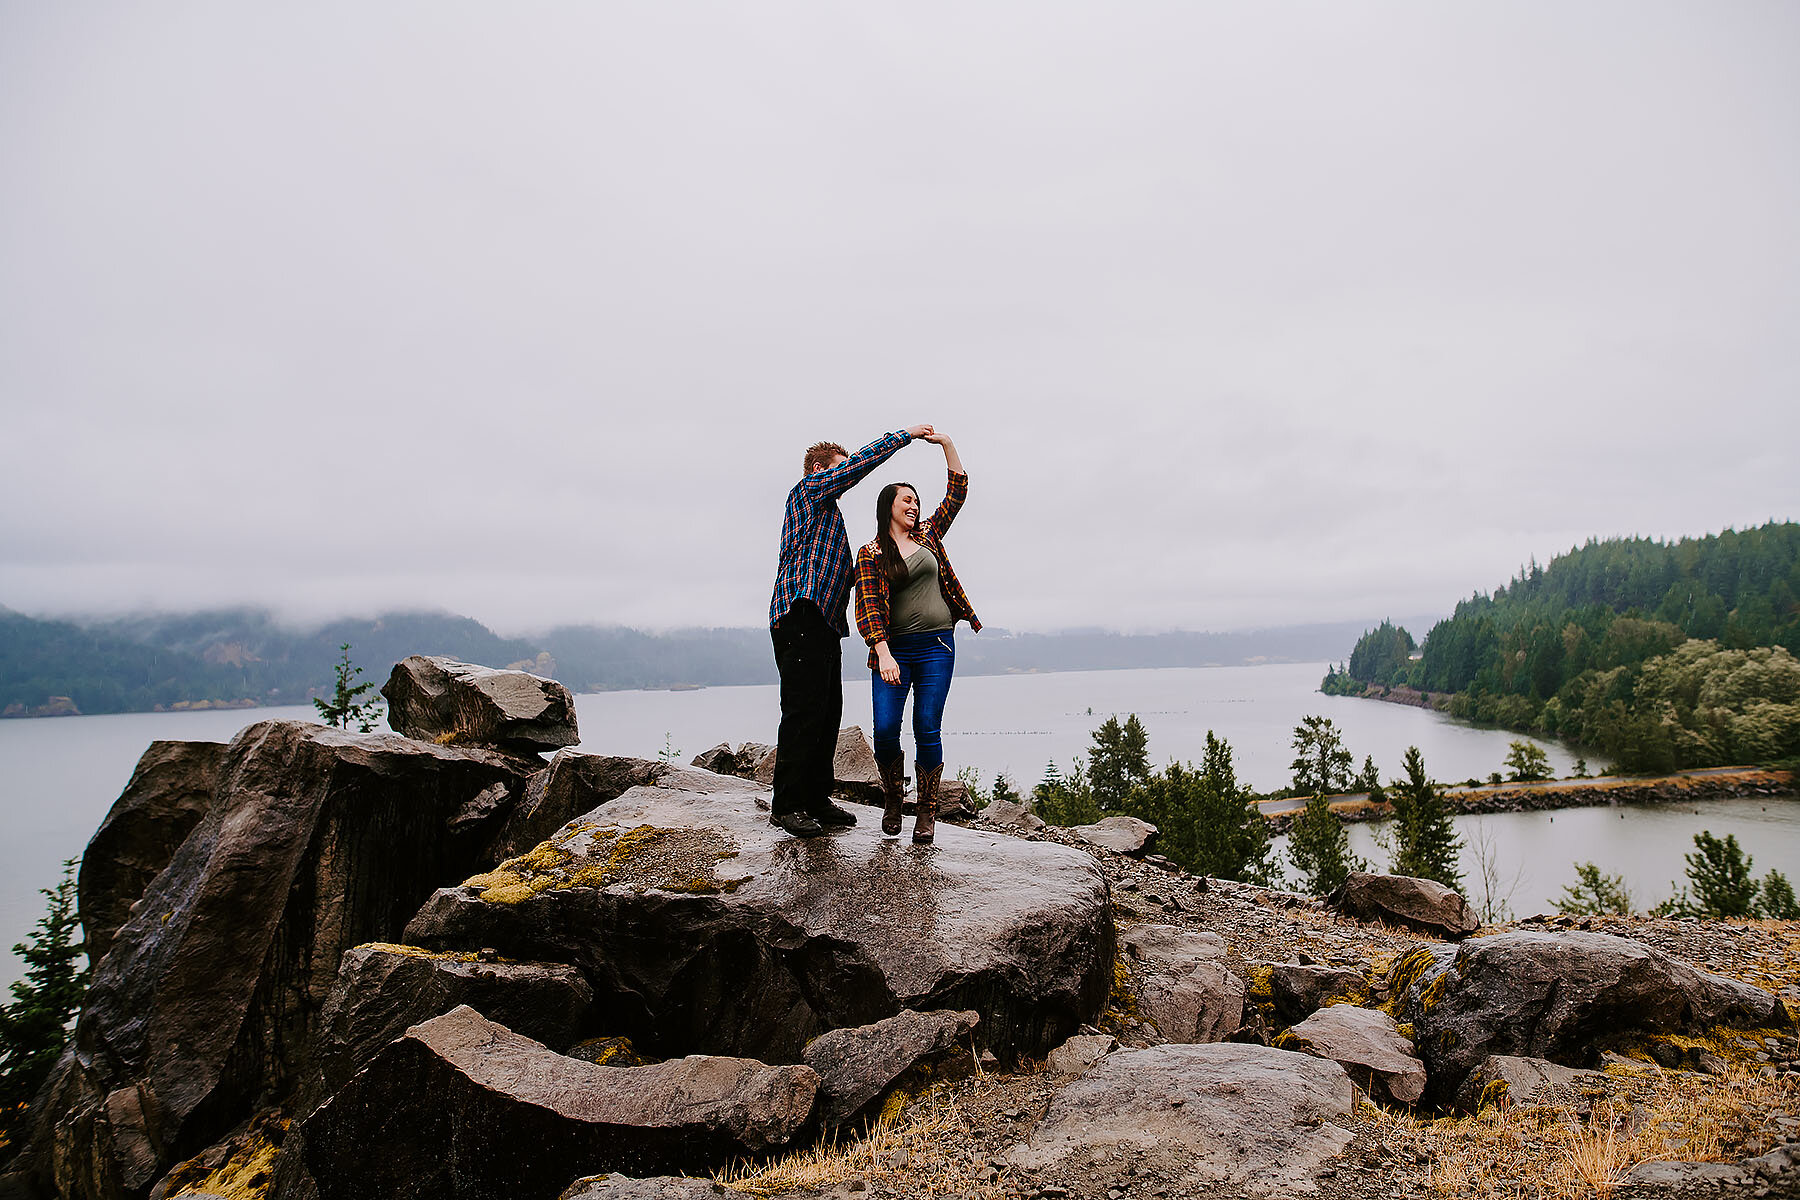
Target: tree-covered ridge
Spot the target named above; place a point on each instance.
(1659, 654)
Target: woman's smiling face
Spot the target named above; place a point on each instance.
(905, 512)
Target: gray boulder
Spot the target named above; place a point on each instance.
(1297, 991)
(857, 1067)
(854, 774)
(207, 1004)
(1004, 814)
(573, 783)
(661, 1187)
(381, 990)
(168, 793)
(437, 699)
(703, 928)
(1248, 1116)
(1184, 991)
(463, 1109)
(1555, 996)
(1368, 1045)
(1508, 1079)
(720, 760)
(1121, 835)
(1079, 1053)
(1421, 904)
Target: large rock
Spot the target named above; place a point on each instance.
(1299, 990)
(463, 1109)
(1368, 1045)
(572, 784)
(1079, 1053)
(1507, 1079)
(207, 1004)
(381, 990)
(1004, 814)
(1555, 996)
(1121, 835)
(168, 793)
(703, 928)
(660, 1187)
(442, 700)
(858, 1066)
(1184, 991)
(1249, 1116)
(1421, 904)
(854, 774)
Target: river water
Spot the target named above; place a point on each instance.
(59, 776)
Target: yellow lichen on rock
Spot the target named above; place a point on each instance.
(246, 1173)
(587, 855)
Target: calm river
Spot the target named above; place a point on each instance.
(59, 776)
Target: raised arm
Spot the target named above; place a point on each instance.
(829, 485)
(956, 491)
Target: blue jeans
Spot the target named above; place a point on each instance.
(927, 661)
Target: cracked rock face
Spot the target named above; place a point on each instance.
(1245, 1115)
(702, 927)
(1184, 991)
(437, 699)
(1553, 996)
(463, 1108)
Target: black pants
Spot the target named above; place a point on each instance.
(810, 656)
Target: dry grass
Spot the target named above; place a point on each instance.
(905, 1143)
(1551, 1153)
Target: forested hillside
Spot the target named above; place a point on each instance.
(1658, 654)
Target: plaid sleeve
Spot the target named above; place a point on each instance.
(955, 492)
(829, 485)
(871, 596)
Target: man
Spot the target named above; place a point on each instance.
(807, 623)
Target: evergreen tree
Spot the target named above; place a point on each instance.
(1065, 799)
(1720, 874)
(1004, 790)
(1595, 894)
(1425, 842)
(1208, 824)
(1319, 848)
(344, 708)
(1118, 761)
(35, 1026)
(1369, 780)
(1776, 899)
(1321, 764)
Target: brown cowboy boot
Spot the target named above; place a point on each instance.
(925, 819)
(893, 790)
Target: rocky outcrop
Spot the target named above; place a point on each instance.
(854, 775)
(702, 928)
(660, 1187)
(1249, 1116)
(1298, 990)
(1004, 814)
(381, 990)
(573, 783)
(1421, 904)
(168, 793)
(1121, 835)
(1368, 1045)
(1556, 996)
(438, 699)
(1506, 1079)
(857, 1067)
(463, 1109)
(206, 1005)
(1184, 991)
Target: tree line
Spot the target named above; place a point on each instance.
(1659, 655)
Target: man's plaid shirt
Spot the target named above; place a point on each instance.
(872, 601)
(815, 549)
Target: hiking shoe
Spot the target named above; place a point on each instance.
(797, 823)
(832, 816)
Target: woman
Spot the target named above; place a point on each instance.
(907, 605)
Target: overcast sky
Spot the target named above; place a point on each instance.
(1240, 314)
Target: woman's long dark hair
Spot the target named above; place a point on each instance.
(891, 563)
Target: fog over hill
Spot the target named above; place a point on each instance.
(162, 660)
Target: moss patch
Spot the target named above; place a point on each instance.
(247, 1168)
(642, 858)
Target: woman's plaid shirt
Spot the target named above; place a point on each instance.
(815, 549)
(872, 581)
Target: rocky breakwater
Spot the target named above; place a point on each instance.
(259, 1026)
